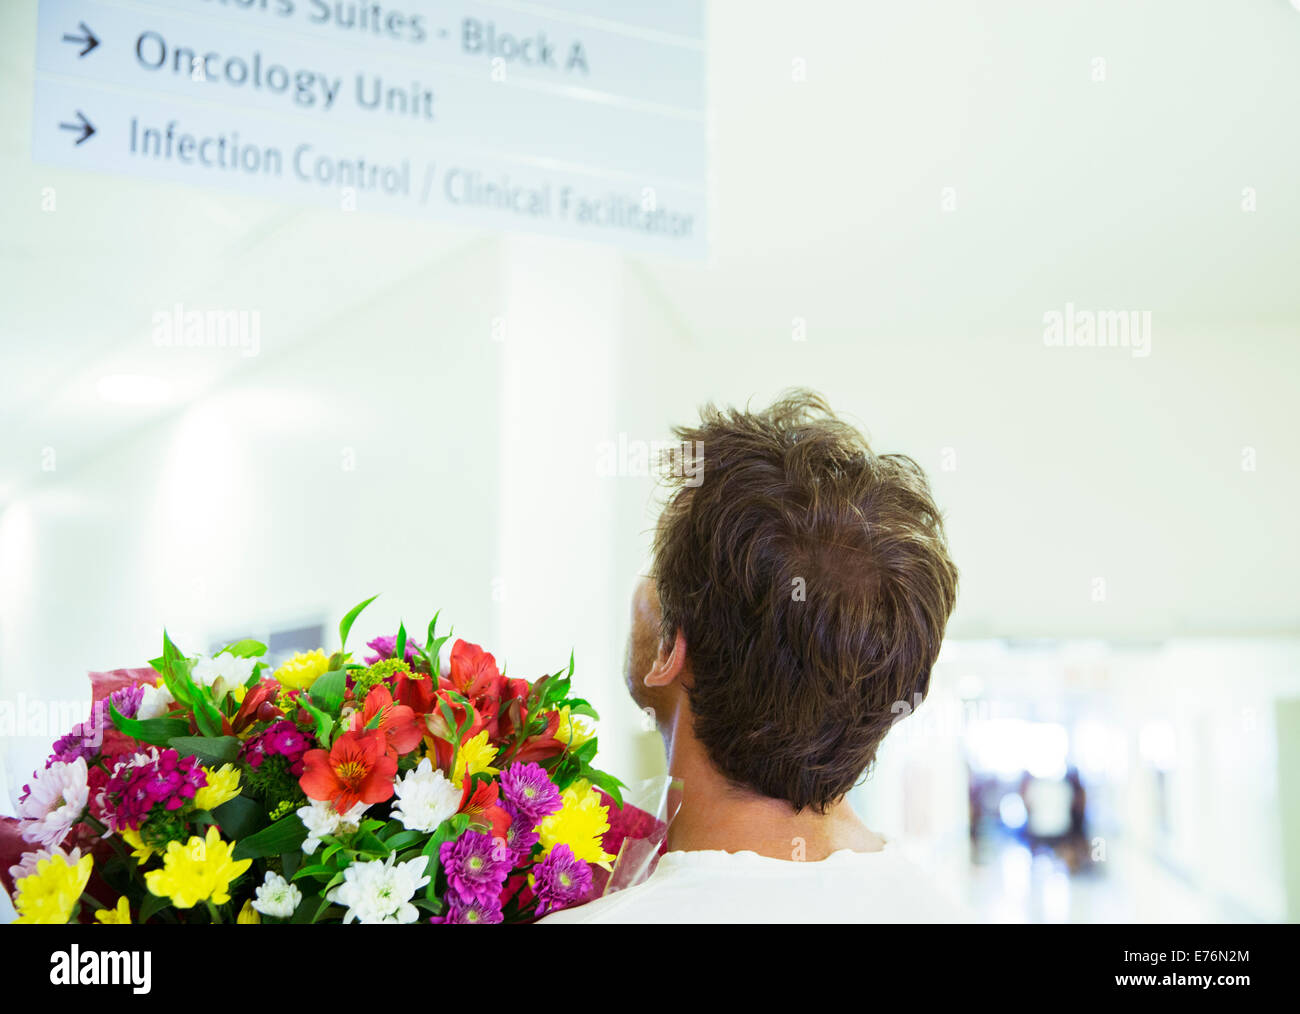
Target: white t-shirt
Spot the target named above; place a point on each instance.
(744, 887)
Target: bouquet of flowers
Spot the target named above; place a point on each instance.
(213, 789)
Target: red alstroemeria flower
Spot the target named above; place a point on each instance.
(474, 673)
(356, 769)
(251, 710)
(396, 721)
(483, 807)
(542, 745)
(513, 711)
(415, 691)
(439, 732)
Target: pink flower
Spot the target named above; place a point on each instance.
(54, 802)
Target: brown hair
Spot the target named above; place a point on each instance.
(792, 693)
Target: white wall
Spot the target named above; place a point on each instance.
(360, 461)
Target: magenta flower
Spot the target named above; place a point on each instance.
(529, 793)
(520, 840)
(281, 739)
(560, 879)
(464, 913)
(386, 646)
(476, 868)
(158, 778)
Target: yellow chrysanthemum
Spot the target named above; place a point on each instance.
(248, 915)
(301, 671)
(200, 870)
(222, 787)
(580, 824)
(142, 852)
(51, 893)
(475, 755)
(574, 730)
(119, 915)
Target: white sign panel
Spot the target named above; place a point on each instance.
(578, 118)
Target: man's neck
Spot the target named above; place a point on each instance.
(714, 814)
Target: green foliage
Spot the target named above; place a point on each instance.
(324, 721)
(239, 817)
(155, 731)
(285, 835)
(345, 626)
(247, 648)
(327, 692)
(212, 751)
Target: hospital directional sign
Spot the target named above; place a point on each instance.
(577, 118)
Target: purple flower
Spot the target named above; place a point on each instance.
(560, 879)
(476, 868)
(529, 793)
(87, 737)
(386, 646)
(462, 912)
(520, 841)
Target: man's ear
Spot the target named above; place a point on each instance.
(668, 663)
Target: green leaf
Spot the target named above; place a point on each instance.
(430, 905)
(289, 863)
(151, 906)
(285, 835)
(579, 706)
(213, 751)
(167, 666)
(324, 722)
(155, 731)
(367, 841)
(405, 838)
(399, 645)
(247, 648)
(303, 913)
(327, 692)
(450, 718)
(605, 781)
(238, 817)
(446, 831)
(351, 618)
(433, 645)
(176, 674)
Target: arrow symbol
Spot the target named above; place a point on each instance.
(87, 37)
(84, 126)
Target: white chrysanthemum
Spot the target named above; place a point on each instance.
(277, 897)
(56, 800)
(381, 891)
(155, 702)
(320, 818)
(425, 798)
(223, 673)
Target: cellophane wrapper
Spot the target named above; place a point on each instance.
(638, 833)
